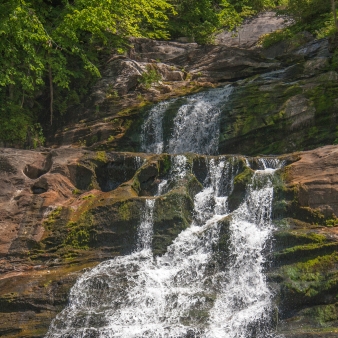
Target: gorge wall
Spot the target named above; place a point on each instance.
(68, 207)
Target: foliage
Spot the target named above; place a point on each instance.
(51, 50)
(200, 19)
(48, 45)
(307, 10)
(270, 39)
(150, 76)
(314, 16)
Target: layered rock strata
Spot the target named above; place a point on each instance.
(66, 210)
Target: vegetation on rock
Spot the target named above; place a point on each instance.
(53, 51)
(314, 16)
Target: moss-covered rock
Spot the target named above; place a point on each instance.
(240, 184)
(295, 112)
(305, 272)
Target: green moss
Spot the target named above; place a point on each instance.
(136, 184)
(318, 265)
(331, 222)
(296, 238)
(127, 123)
(306, 249)
(244, 177)
(293, 90)
(101, 156)
(240, 184)
(259, 125)
(9, 297)
(310, 282)
(173, 213)
(88, 197)
(124, 211)
(323, 313)
(164, 164)
(52, 217)
(79, 232)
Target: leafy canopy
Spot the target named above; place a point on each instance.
(44, 42)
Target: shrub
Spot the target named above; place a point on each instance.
(150, 76)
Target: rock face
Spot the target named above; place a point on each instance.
(249, 33)
(285, 110)
(304, 271)
(284, 102)
(116, 100)
(316, 177)
(67, 209)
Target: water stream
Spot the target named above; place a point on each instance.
(195, 124)
(189, 291)
(243, 308)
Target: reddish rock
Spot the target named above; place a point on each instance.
(316, 177)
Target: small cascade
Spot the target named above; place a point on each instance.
(152, 129)
(179, 294)
(99, 293)
(145, 229)
(138, 162)
(195, 126)
(182, 293)
(270, 163)
(243, 309)
(218, 186)
(141, 296)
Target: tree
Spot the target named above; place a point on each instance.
(307, 10)
(201, 19)
(333, 5)
(46, 46)
(42, 42)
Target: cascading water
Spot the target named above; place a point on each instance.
(195, 126)
(243, 309)
(189, 291)
(145, 229)
(183, 293)
(152, 129)
(177, 172)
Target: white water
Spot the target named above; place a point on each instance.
(183, 293)
(244, 307)
(152, 129)
(195, 126)
(145, 229)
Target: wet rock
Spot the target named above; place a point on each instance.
(85, 209)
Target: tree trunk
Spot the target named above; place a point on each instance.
(23, 98)
(333, 4)
(51, 94)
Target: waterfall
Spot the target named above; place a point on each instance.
(145, 229)
(195, 125)
(184, 293)
(210, 282)
(152, 129)
(243, 308)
